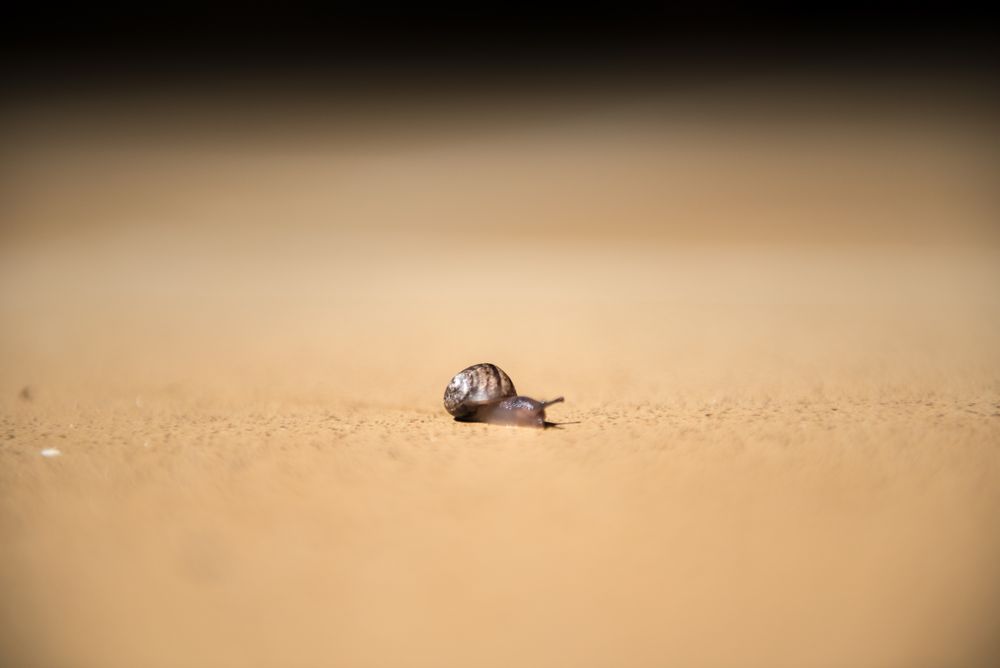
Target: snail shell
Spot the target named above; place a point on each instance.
(479, 385)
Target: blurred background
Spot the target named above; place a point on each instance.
(242, 255)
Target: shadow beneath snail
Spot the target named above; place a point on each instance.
(559, 425)
(544, 425)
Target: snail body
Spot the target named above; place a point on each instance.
(484, 393)
(519, 411)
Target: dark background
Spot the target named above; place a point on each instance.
(138, 45)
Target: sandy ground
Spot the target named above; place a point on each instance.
(780, 351)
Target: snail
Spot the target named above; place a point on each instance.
(484, 393)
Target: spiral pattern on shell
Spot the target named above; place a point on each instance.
(478, 385)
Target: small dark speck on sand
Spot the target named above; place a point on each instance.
(26, 394)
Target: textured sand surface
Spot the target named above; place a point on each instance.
(781, 363)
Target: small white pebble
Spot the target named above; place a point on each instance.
(50, 452)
